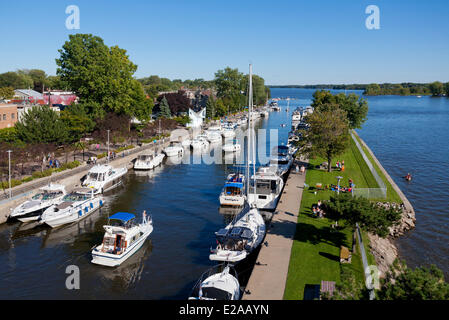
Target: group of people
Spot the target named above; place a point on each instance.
(300, 170)
(317, 210)
(341, 165)
(51, 162)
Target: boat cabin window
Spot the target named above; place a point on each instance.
(38, 196)
(119, 223)
(73, 197)
(233, 191)
(214, 293)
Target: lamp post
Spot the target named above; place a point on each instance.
(108, 145)
(9, 165)
(338, 184)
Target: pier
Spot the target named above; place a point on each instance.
(269, 276)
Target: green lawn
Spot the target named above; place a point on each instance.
(392, 195)
(316, 246)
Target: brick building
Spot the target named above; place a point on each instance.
(8, 115)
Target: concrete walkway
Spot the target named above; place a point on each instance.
(269, 276)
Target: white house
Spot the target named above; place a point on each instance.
(196, 118)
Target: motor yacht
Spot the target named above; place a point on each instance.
(123, 237)
(200, 142)
(231, 147)
(75, 206)
(148, 161)
(266, 188)
(239, 238)
(218, 283)
(233, 193)
(174, 149)
(32, 209)
(103, 177)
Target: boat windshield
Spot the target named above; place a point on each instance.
(214, 293)
(233, 191)
(143, 157)
(73, 197)
(265, 186)
(120, 223)
(38, 196)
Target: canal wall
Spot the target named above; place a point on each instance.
(384, 250)
(71, 178)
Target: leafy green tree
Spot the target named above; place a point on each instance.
(370, 216)
(220, 108)
(349, 288)
(164, 109)
(77, 121)
(422, 283)
(16, 80)
(38, 76)
(40, 124)
(210, 107)
(101, 74)
(356, 109)
(6, 93)
(327, 135)
(436, 88)
(446, 89)
(229, 82)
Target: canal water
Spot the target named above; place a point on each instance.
(183, 201)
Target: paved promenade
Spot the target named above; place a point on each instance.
(267, 281)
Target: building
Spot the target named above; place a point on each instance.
(8, 115)
(27, 95)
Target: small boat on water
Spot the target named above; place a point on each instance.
(174, 149)
(266, 188)
(148, 161)
(239, 238)
(103, 177)
(200, 142)
(123, 237)
(231, 147)
(74, 207)
(218, 283)
(32, 209)
(233, 193)
(281, 164)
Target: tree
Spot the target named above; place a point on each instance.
(370, 216)
(6, 93)
(422, 283)
(164, 109)
(39, 78)
(16, 80)
(446, 89)
(229, 82)
(327, 136)
(436, 88)
(41, 125)
(177, 102)
(220, 108)
(356, 108)
(102, 75)
(349, 288)
(210, 107)
(77, 121)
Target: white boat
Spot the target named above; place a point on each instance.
(217, 285)
(186, 142)
(74, 207)
(265, 113)
(174, 149)
(266, 188)
(103, 177)
(233, 193)
(214, 137)
(148, 161)
(239, 238)
(32, 209)
(200, 142)
(231, 147)
(281, 164)
(123, 237)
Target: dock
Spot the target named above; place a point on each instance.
(269, 276)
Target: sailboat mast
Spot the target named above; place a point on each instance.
(249, 131)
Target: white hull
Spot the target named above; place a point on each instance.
(110, 183)
(71, 214)
(174, 152)
(231, 148)
(235, 201)
(269, 203)
(113, 260)
(148, 165)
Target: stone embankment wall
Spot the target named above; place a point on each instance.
(384, 250)
(71, 178)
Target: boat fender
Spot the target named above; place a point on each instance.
(91, 205)
(101, 202)
(80, 213)
(86, 209)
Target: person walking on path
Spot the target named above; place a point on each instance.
(297, 169)
(303, 169)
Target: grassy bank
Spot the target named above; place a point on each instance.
(392, 195)
(316, 246)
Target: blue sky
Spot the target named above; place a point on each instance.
(288, 42)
